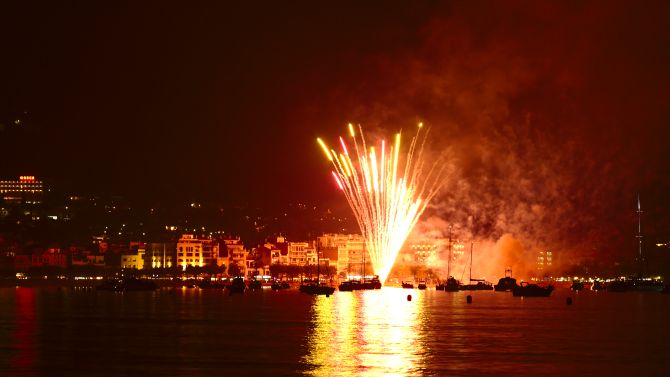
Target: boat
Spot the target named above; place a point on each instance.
(277, 285)
(647, 284)
(371, 283)
(255, 284)
(597, 285)
(641, 282)
(452, 285)
(507, 283)
(422, 284)
(349, 285)
(618, 285)
(127, 285)
(526, 289)
(315, 287)
(237, 285)
(480, 284)
(407, 285)
(577, 285)
(439, 286)
(208, 284)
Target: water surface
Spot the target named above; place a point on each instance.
(193, 332)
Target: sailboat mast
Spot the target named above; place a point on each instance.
(470, 277)
(318, 265)
(639, 236)
(449, 262)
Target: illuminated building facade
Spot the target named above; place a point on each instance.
(236, 254)
(431, 252)
(197, 252)
(346, 251)
(26, 190)
(160, 255)
(544, 260)
(133, 261)
(301, 254)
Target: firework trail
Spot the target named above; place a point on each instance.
(386, 189)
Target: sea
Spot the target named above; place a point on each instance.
(48, 331)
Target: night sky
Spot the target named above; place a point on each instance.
(555, 115)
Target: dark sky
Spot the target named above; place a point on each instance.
(555, 114)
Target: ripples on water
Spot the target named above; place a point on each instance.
(45, 332)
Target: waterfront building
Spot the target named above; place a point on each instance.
(260, 260)
(160, 255)
(346, 251)
(25, 190)
(134, 260)
(297, 253)
(22, 262)
(544, 261)
(236, 254)
(197, 252)
(52, 257)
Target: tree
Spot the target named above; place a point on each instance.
(234, 270)
(213, 269)
(277, 270)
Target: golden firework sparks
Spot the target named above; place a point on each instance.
(386, 195)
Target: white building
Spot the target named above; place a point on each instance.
(197, 252)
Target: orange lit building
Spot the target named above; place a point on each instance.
(26, 190)
(197, 252)
(346, 251)
(235, 254)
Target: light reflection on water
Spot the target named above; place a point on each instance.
(373, 333)
(69, 332)
(368, 333)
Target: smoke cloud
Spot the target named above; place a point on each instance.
(553, 115)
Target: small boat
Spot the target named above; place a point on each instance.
(577, 285)
(506, 284)
(481, 285)
(597, 285)
(316, 288)
(647, 284)
(277, 285)
(372, 283)
(422, 284)
(526, 289)
(237, 285)
(255, 284)
(407, 285)
(349, 285)
(127, 285)
(618, 285)
(208, 284)
(439, 286)
(452, 285)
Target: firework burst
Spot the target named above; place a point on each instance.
(386, 189)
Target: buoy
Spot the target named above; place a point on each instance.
(409, 297)
(469, 299)
(568, 300)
